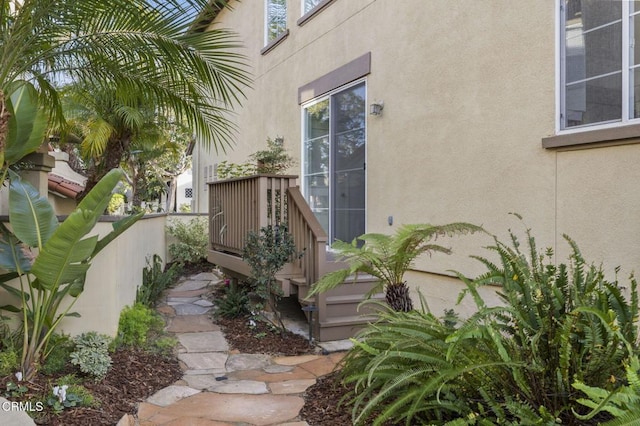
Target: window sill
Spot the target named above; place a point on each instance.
(313, 12)
(273, 43)
(622, 135)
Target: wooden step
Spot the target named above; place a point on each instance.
(351, 304)
(345, 327)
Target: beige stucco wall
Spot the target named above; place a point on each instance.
(114, 276)
(469, 91)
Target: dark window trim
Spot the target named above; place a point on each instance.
(347, 73)
(621, 135)
(313, 12)
(273, 43)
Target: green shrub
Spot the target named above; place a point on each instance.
(59, 355)
(135, 325)
(512, 364)
(9, 361)
(193, 240)
(266, 253)
(227, 170)
(91, 354)
(234, 303)
(155, 280)
(164, 345)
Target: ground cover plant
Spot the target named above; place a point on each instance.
(560, 325)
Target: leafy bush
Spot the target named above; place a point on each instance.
(193, 240)
(91, 354)
(273, 160)
(57, 359)
(9, 361)
(135, 324)
(227, 170)
(155, 280)
(512, 364)
(234, 304)
(266, 253)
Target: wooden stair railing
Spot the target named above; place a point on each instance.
(309, 237)
(241, 205)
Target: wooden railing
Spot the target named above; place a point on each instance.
(238, 206)
(308, 235)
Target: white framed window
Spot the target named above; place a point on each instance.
(309, 5)
(334, 160)
(275, 19)
(599, 63)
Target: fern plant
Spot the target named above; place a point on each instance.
(623, 402)
(388, 258)
(509, 364)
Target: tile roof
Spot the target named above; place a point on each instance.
(65, 187)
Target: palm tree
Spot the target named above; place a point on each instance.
(133, 48)
(388, 258)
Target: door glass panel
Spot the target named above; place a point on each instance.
(334, 162)
(349, 163)
(316, 160)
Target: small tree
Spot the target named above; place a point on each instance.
(388, 258)
(266, 253)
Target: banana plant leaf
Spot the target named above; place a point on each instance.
(12, 258)
(64, 258)
(27, 122)
(31, 216)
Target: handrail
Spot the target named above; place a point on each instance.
(242, 205)
(309, 236)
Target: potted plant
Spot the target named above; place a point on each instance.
(273, 160)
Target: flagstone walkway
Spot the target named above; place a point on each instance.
(222, 387)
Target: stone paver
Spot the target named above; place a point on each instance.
(171, 394)
(206, 360)
(295, 360)
(249, 387)
(191, 324)
(201, 381)
(247, 362)
(261, 375)
(207, 341)
(221, 387)
(291, 386)
(11, 415)
(188, 293)
(260, 410)
(192, 285)
(190, 309)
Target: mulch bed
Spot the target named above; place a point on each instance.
(262, 338)
(133, 377)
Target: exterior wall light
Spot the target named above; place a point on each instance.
(376, 108)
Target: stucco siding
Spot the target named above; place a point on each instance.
(469, 91)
